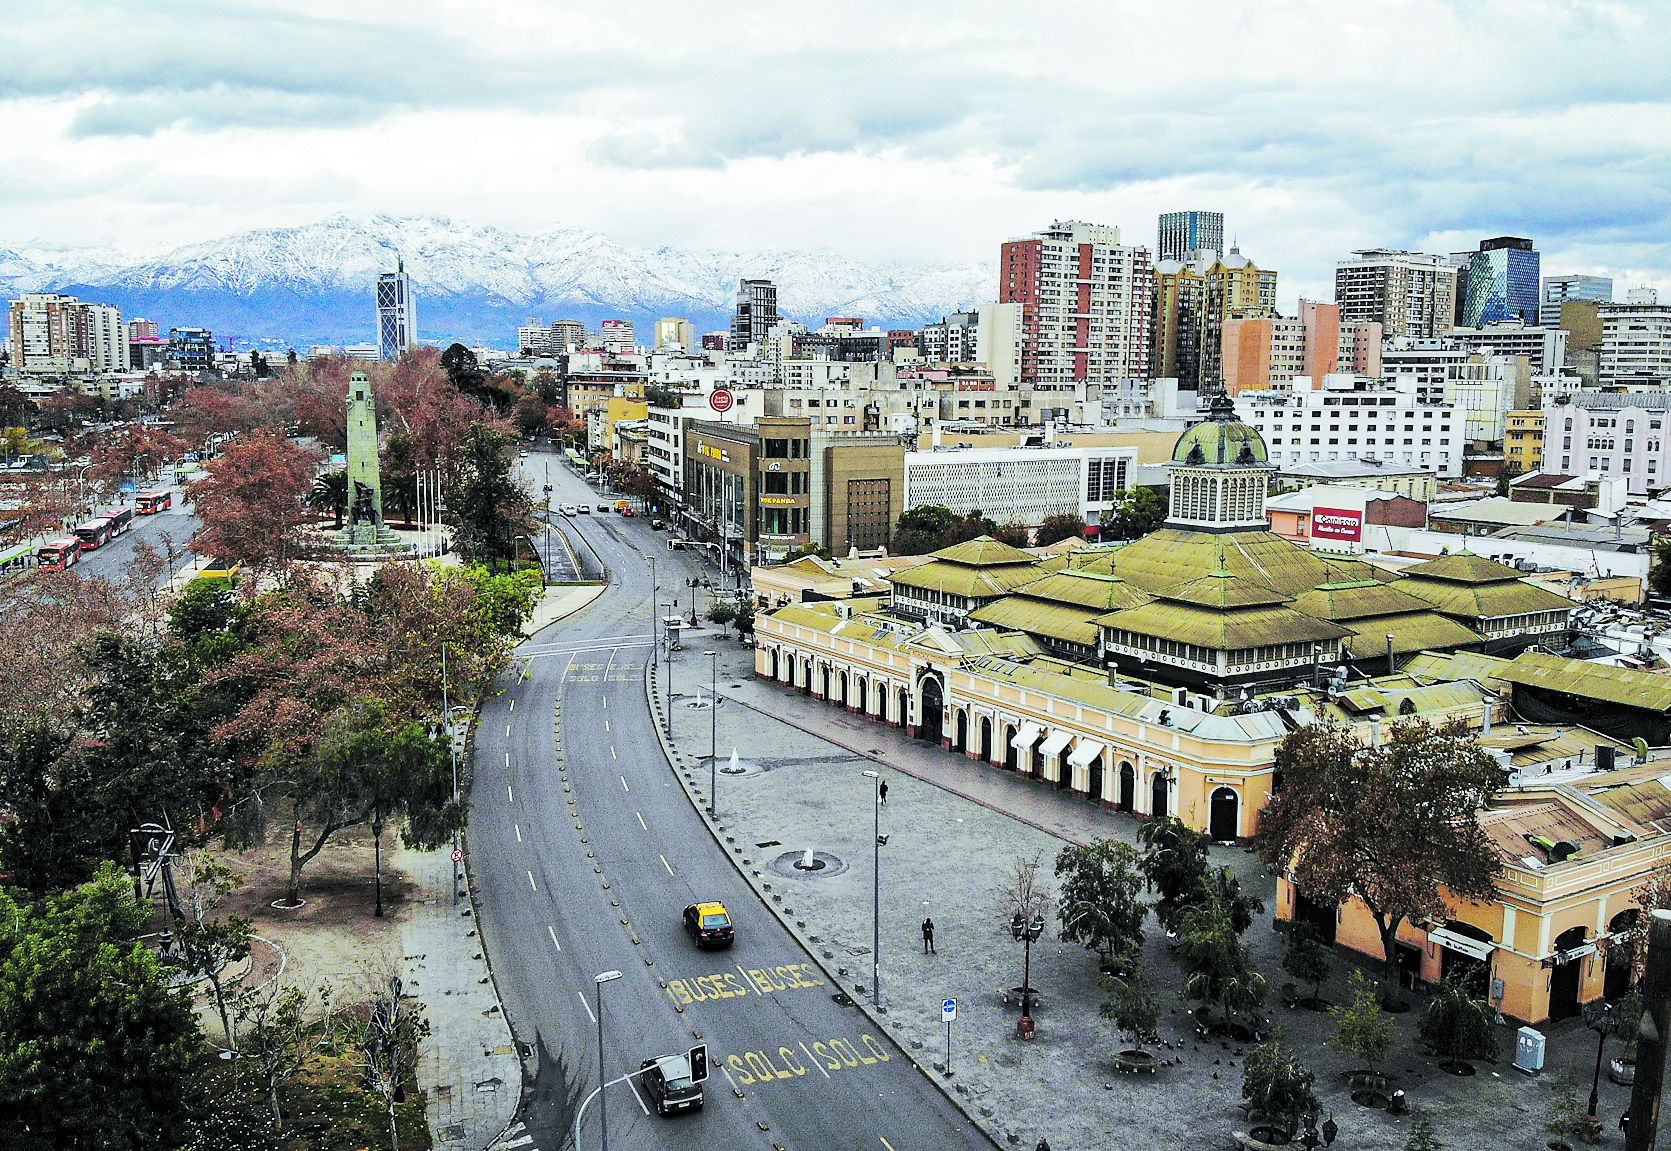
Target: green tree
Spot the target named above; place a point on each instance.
(1053, 529)
(1361, 1027)
(465, 374)
(1136, 512)
(722, 612)
(1014, 534)
(391, 1038)
(1458, 1025)
(1131, 1007)
(920, 529)
(1278, 1086)
(209, 945)
(1216, 962)
(1393, 825)
(1221, 884)
(330, 494)
(744, 620)
(47, 843)
(282, 1030)
(487, 507)
(94, 1044)
(1174, 865)
(1306, 958)
(1098, 904)
(1421, 1136)
(1659, 575)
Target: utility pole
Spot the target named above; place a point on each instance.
(452, 754)
(1651, 1036)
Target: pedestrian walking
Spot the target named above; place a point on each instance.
(1044, 1144)
(928, 937)
(883, 792)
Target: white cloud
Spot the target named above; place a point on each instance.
(929, 130)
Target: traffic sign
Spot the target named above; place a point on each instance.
(948, 1010)
(721, 399)
(458, 856)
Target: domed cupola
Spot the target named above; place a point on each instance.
(1220, 472)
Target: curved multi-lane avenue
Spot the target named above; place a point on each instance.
(582, 864)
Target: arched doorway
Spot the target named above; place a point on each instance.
(960, 730)
(931, 704)
(1222, 813)
(805, 676)
(1093, 788)
(774, 662)
(902, 710)
(1564, 980)
(986, 739)
(859, 693)
(1011, 756)
(1157, 796)
(824, 681)
(1617, 978)
(879, 707)
(1126, 798)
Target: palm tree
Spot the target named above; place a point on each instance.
(401, 493)
(330, 494)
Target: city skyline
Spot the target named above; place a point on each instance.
(359, 116)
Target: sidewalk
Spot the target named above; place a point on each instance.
(468, 1069)
(954, 830)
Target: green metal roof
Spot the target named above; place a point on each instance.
(1493, 600)
(1221, 440)
(1223, 589)
(1445, 667)
(1064, 622)
(1222, 629)
(953, 578)
(984, 551)
(1171, 556)
(1463, 567)
(1358, 599)
(1647, 690)
(1411, 631)
(1085, 589)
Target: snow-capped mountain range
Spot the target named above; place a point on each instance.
(314, 284)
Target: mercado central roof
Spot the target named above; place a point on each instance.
(1221, 440)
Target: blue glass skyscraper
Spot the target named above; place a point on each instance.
(1500, 282)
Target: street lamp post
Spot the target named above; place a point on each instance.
(667, 648)
(377, 849)
(694, 580)
(452, 755)
(713, 731)
(1025, 932)
(876, 890)
(603, 1096)
(1598, 1017)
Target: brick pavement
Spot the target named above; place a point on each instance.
(954, 827)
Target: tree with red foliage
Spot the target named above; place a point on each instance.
(50, 616)
(251, 500)
(213, 409)
(133, 452)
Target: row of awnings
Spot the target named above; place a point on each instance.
(1083, 753)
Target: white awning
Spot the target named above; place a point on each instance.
(1055, 742)
(1085, 751)
(1466, 944)
(1575, 953)
(1026, 737)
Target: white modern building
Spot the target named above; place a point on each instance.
(618, 336)
(1544, 348)
(1615, 434)
(1636, 338)
(397, 313)
(54, 334)
(1484, 389)
(1557, 290)
(1355, 418)
(1020, 485)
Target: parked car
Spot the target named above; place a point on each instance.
(583, 509)
(604, 507)
(669, 1084)
(568, 510)
(710, 924)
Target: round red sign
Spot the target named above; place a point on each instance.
(721, 399)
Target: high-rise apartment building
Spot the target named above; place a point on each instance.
(1497, 282)
(754, 315)
(1636, 338)
(567, 335)
(1087, 305)
(397, 313)
(951, 340)
(618, 336)
(54, 334)
(675, 332)
(142, 329)
(1193, 300)
(191, 349)
(1183, 234)
(1546, 348)
(1408, 293)
(1263, 352)
(1557, 290)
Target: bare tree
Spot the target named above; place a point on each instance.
(391, 1035)
(284, 1028)
(1024, 889)
(211, 945)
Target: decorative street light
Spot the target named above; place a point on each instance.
(603, 1096)
(694, 581)
(713, 730)
(1600, 1017)
(668, 639)
(876, 890)
(1025, 932)
(377, 842)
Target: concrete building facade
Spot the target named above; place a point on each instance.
(1262, 352)
(1408, 293)
(1020, 485)
(1354, 418)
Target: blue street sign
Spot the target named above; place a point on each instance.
(948, 1010)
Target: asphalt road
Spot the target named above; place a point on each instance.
(568, 891)
(173, 528)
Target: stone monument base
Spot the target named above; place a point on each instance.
(371, 541)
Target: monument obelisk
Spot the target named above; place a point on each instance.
(365, 483)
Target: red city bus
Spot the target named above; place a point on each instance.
(120, 520)
(94, 534)
(150, 503)
(59, 554)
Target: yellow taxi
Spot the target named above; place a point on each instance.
(710, 924)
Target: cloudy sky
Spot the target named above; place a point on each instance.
(909, 129)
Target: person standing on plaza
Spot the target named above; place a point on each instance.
(928, 937)
(883, 792)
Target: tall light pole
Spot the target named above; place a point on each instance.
(603, 1096)
(673, 606)
(655, 611)
(713, 730)
(1025, 931)
(876, 890)
(452, 754)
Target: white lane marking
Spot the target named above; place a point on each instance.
(607, 664)
(518, 828)
(885, 1142)
(509, 798)
(637, 1096)
(553, 932)
(513, 705)
(627, 639)
(624, 786)
(531, 881)
(810, 1059)
(507, 731)
(612, 754)
(666, 864)
(606, 723)
(749, 979)
(606, 703)
(641, 822)
(507, 759)
(583, 650)
(522, 1142)
(587, 1006)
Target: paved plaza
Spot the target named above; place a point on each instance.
(954, 830)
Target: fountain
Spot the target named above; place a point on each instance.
(809, 862)
(732, 768)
